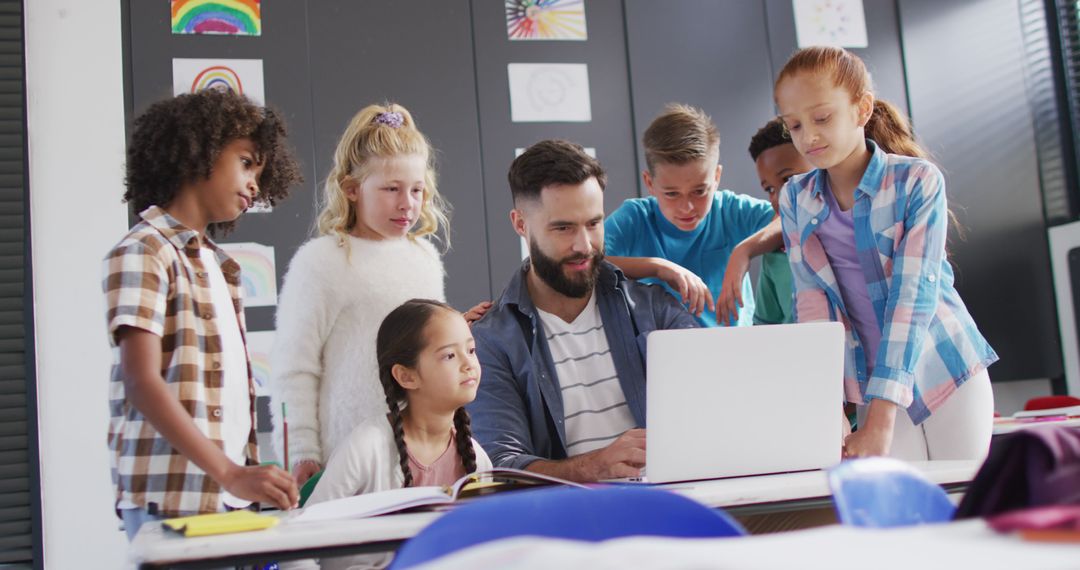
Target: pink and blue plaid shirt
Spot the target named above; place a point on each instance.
(929, 342)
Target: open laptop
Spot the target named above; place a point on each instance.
(726, 402)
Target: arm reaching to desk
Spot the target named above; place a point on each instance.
(147, 391)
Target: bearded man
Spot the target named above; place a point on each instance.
(562, 351)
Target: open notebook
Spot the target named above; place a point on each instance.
(475, 484)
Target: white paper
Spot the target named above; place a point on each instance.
(838, 23)
(258, 272)
(549, 92)
(372, 504)
(244, 76)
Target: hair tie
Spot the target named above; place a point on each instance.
(392, 119)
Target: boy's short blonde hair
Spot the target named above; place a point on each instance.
(681, 134)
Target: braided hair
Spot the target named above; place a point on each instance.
(400, 341)
(463, 440)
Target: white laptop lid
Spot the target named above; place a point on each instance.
(725, 402)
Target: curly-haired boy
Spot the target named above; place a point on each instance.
(181, 433)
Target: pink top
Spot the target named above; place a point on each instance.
(443, 471)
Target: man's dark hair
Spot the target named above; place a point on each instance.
(551, 162)
(176, 142)
(771, 135)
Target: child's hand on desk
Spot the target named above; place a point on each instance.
(875, 438)
(867, 443)
(304, 470)
(264, 484)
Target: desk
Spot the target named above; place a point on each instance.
(808, 489)
(963, 544)
(153, 548)
(1009, 425)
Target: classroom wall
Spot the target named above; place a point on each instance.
(970, 106)
(75, 106)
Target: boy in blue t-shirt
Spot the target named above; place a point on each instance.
(683, 233)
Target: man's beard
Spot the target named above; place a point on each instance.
(550, 271)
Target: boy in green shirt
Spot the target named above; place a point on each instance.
(776, 160)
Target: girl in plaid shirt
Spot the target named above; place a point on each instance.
(866, 234)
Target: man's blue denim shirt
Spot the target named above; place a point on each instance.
(518, 412)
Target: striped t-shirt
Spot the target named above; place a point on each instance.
(594, 405)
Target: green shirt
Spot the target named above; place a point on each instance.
(774, 300)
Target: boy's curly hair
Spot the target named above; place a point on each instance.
(771, 135)
(176, 142)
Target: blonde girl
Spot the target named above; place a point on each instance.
(380, 208)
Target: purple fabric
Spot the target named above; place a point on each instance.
(837, 235)
(1032, 467)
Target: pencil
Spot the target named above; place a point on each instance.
(285, 431)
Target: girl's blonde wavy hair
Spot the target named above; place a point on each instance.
(366, 139)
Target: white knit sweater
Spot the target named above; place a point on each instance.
(323, 364)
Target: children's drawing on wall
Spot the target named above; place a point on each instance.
(258, 272)
(546, 20)
(259, 344)
(243, 76)
(223, 17)
(549, 92)
(838, 23)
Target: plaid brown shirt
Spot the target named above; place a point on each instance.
(155, 281)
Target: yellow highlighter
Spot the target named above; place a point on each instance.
(220, 523)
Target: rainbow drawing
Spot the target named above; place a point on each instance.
(546, 20)
(259, 345)
(227, 17)
(242, 76)
(258, 272)
(218, 77)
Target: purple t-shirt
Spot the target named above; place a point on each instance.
(837, 235)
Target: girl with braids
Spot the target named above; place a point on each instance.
(429, 371)
(865, 234)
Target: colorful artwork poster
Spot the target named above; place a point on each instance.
(222, 17)
(259, 345)
(549, 92)
(546, 20)
(258, 272)
(838, 23)
(243, 76)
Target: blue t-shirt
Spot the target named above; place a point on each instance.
(639, 229)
